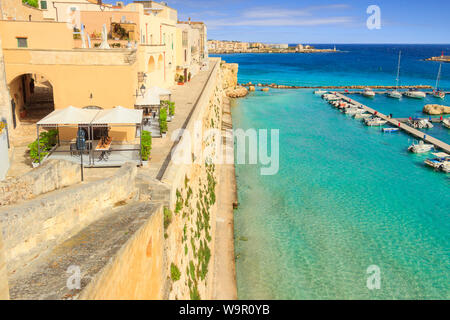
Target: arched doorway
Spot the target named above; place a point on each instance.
(160, 62)
(151, 65)
(31, 98)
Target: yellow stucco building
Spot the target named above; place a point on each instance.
(50, 65)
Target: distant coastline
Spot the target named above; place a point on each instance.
(229, 47)
(439, 59)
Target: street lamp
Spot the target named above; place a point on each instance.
(142, 89)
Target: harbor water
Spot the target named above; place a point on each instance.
(346, 196)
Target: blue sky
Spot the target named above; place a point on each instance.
(317, 21)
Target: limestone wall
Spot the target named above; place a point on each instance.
(50, 176)
(33, 227)
(4, 290)
(190, 235)
(230, 71)
(137, 270)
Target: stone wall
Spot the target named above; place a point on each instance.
(4, 289)
(51, 175)
(190, 235)
(4, 157)
(137, 271)
(230, 71)
(34, 227)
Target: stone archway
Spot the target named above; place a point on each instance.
(32, 98)
(151, 65)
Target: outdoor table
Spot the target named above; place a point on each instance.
(104, 148)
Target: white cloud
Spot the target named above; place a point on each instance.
(279, 22)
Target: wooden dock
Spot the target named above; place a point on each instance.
(396, 123)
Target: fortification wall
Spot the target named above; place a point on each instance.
(190, 235)
(51, 175)
(4, 289)
(36, 226)
(137, 271)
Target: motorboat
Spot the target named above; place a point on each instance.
(375, 121)
(441, 162)
(414, 93)
(420, 123)
(353, 110)
(368, 93)
(390, 129)
(420, 147)
(395, 93)
(320, 92)
(330, 97)
(362, 115)
(446, 123)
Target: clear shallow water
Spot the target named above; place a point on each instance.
(346, 197)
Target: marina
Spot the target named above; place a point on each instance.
(396, 123)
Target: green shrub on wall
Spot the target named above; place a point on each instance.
(163, 120)
(47, 140)
(146, 145)
(33, 3)
(174, 272)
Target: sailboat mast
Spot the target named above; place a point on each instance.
(438, 76)
(398, 69)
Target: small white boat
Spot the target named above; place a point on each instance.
(372, 122)
(390, 129)
(420, 124)
(446, 123)
(441, 162)
(362, 115)
(330, 97)
(320, 92)
(353, 110)
(368, 93)
(416, 94)
(420, 147)
(394, 94)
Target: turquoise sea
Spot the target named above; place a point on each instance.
(346, 196)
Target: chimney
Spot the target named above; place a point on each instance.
(99, 2)
(189, 20)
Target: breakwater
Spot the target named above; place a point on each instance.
(282, 86)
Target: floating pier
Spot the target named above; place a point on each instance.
(398, 124)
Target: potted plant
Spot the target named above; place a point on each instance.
(146, 146)
(163, 121)
(181, 80)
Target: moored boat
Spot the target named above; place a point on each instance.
(446, 123)
(375, 121)
(362, 115)
(390, 129)
(368, 93)
(320, 92)
(420, 147)
(414, 93)
(395, 93)
(441, 162)
(438, 93)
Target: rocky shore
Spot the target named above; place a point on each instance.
(440, 59)
(436, 109)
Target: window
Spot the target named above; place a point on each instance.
(44, 5)
(22, 42)
(185, 39)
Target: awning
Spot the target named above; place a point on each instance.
(118, 115)
(159, 91)
(69, 115)
(149, 99)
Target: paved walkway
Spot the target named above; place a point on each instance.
(185, 97)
